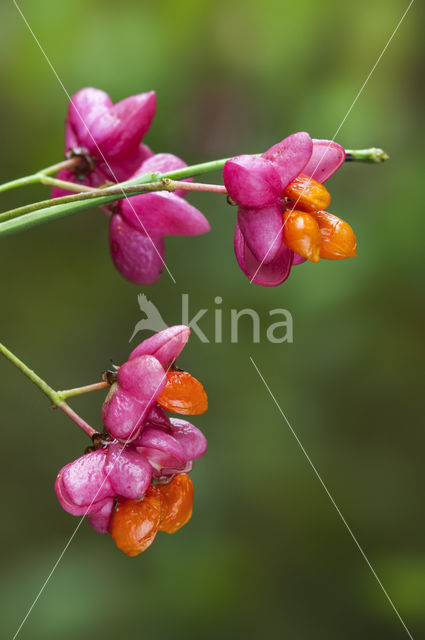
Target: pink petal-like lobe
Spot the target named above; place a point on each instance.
(163, 214)
(122, 414)
(297, 259)
(142, 376)
(106, 129)
(262, 230)
(290, 156)
(140, 381)
(161, 449)
(326, 159)
(112, 134)
(165, 345)
(268, 275)
(252, 181)
(157, 417)
(101, 519)
(122, 168)
(129, 471)
(82, 485)
(190, 438)
(139, 258)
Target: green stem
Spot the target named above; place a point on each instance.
(54, 396)
(41, 384)
(65, 200)
(70, 163)
(77, 391)
(372, 155)
(63, 184)
(114, 193)
(39, 175)
(20, 182)
(45, 211)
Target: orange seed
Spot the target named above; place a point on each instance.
(177, 503)
(337, 237)
(134, 523)
(301, 234)
(308, 194)
(183, 394)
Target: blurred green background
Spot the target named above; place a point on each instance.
(266, 552)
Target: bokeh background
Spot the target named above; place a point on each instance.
(265, 553)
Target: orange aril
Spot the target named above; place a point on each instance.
(301, 234)
(337, 237)
(183, 394)
(176, 503)
(134, 523)
(167, 507)
(308, 194)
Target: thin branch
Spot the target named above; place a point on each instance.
(54, 396)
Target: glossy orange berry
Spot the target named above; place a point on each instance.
(308, 194)
(337, 237)
(183, 394)
(301, 234)
(134, 524)
(177, 503)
